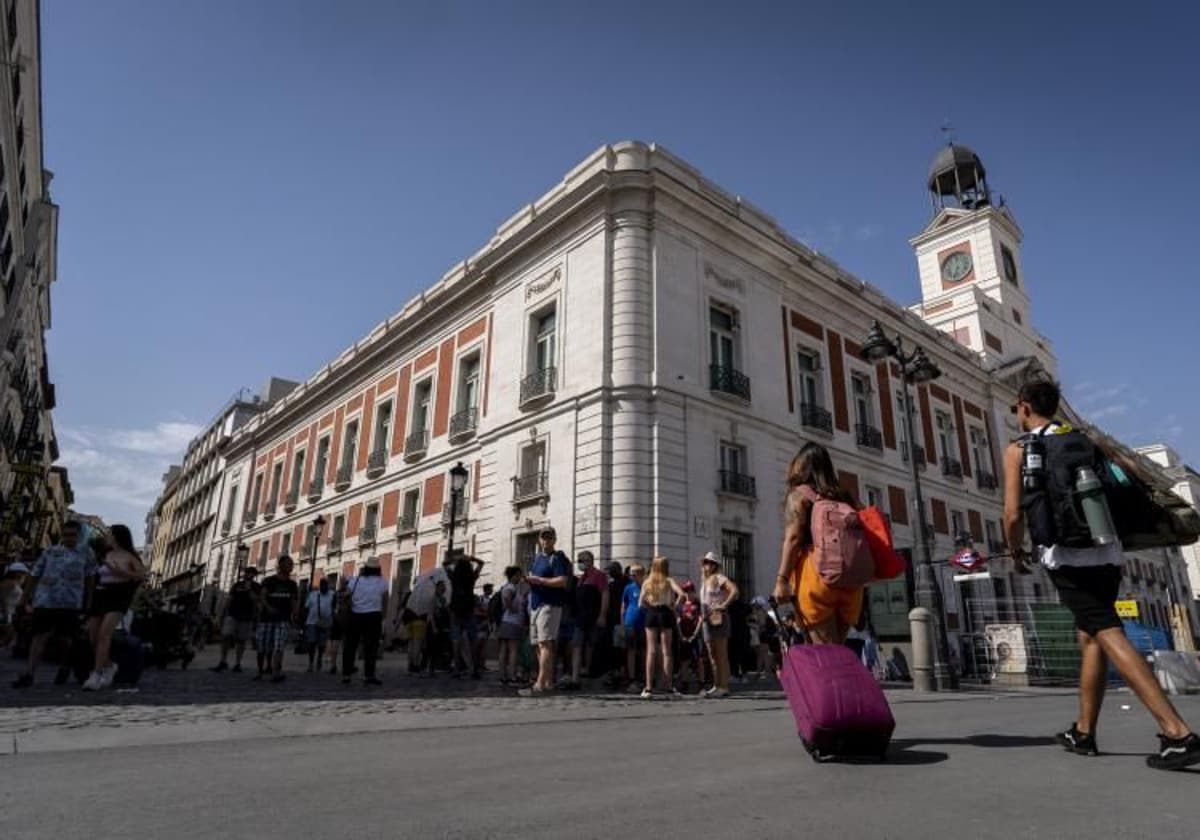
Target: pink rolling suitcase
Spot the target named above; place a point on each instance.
(839, 708)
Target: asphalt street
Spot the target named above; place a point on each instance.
(977, 766)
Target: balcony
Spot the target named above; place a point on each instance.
(815, 417)
(727, 380)
(868, 437)
(952, 468)
(366, 536)
(918, 451)
(291, 500)
(407, 524)
(985, 480)
(226, 527)
(538, 385)
(737, 484)
(530, 487)
(464, 423)
(377, 463)
(345, 474)
(460, 517)
(249, 519)
(335, 544)
(416, 444)
(316, 488)
(269, 511)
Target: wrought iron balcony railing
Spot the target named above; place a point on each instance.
(532, 486)
(727, 380)
(539, 384)
(815, 417)
(738, 484)
(951, 468)
(868, 437)
(377, 462)
(464, 423)
(416, 444)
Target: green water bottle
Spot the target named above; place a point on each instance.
(1090, 492)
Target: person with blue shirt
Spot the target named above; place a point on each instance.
(633, 620)
(548, 574)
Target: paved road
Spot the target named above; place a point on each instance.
(976, 766)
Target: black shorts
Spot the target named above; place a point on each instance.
(57, 622)
(1090, 593)
(660, 618)
(114, 598)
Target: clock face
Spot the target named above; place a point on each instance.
(956, 266)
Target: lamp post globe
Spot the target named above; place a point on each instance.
(458, 477)
(921, 368)
(877, 347)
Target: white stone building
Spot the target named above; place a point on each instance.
(635, 358)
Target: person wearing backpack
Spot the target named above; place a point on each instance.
(825, 561)
(1042, 477)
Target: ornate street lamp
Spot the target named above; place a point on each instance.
(458, 482)
(317, 525)
(919, 368)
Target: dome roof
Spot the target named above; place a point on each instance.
(950, 158)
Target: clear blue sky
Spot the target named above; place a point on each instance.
(249, 187)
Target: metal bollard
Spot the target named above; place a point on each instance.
(921, 625)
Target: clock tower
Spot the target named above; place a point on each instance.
(969, 260)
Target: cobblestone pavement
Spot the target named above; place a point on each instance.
(175, 696)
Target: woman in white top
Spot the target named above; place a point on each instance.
(368, 602)
(512, 623)
(117, 580)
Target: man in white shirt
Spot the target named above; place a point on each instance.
(1088, 581)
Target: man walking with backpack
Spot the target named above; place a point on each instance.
(1042, 471)
(548, 581)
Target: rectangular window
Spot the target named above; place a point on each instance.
(412, 508)
(231, 508)
(544, 335)
(350, 444)
(422, 398)
(526, 546)
(901, 426)
(372, 518)
(992, 531)
(733, 458)
(981, 455)
(383, 427)
(958, 526)
(468, 383)
(285, 544)
(339, 530)
(875, 498)
(722, 325)
(533, 459)
(257, 497)
(737, 559)
(812, 387)
(297, 471)
(262, 558)
(945, 432)
(860, 386)
(322, 462)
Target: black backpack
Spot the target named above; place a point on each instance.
(495, 609)
(1052, 514)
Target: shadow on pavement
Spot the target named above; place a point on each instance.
(988, 741)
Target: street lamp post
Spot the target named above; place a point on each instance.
(458, 481)
(915, 366)
(317, 525)
(242, 553)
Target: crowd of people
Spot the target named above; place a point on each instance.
(556, 623)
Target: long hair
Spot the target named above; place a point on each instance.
(124, 540)
(659, 579)
(813, 466)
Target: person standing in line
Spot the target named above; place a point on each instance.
(617, 675)
(318, 620)
(483, 625)
(12, 587)
(828, 612)
(512, 624)
(717, 592)
(237, 628)
(439, 651)
(464, 631)
(60, 588)
(547, 578)
(1088, 580)
(120, 574)
(337, 627)
(279, 606)
(591, 611)
(659, 598)
(368, 603)
(690, 660)
(633, 622)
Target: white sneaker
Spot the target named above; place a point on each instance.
(647, 694)
(108, 675)
(719, 693)
(93, 682)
